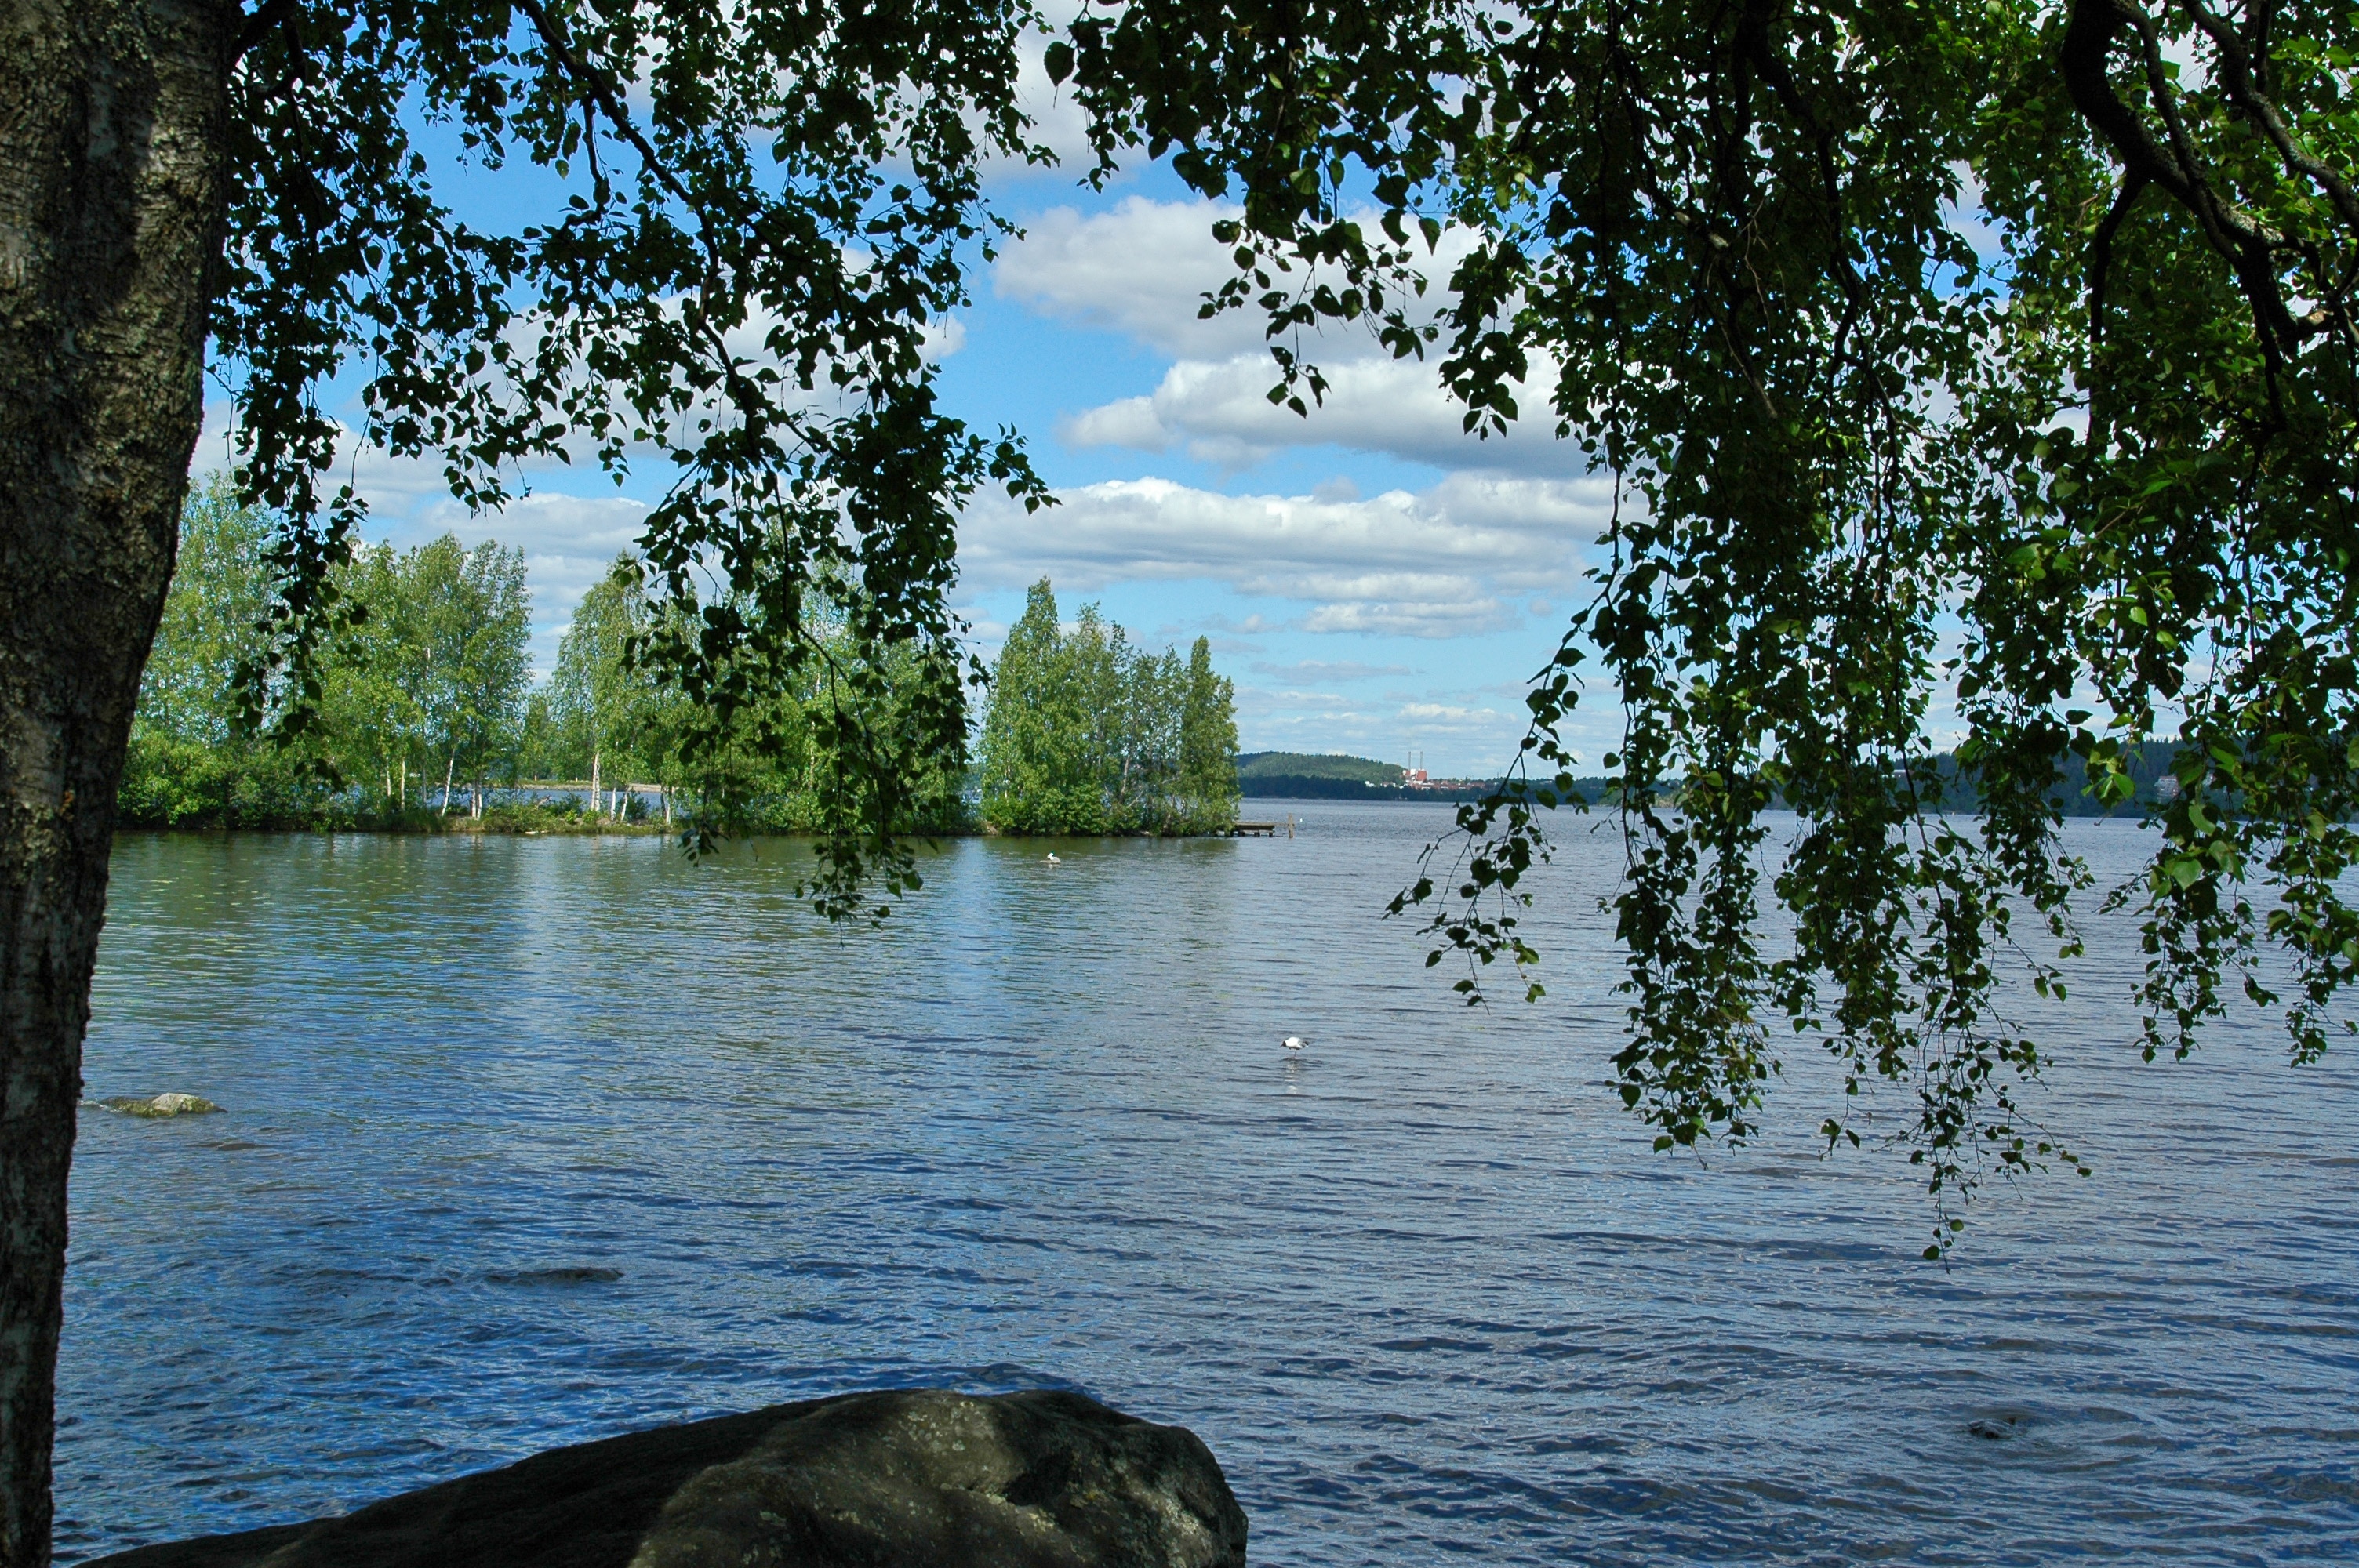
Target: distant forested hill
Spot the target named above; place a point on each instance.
(1332, 765)
(1298, 775)
(2149, 769)
(1301, 775)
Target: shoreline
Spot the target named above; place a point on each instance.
(481, 827)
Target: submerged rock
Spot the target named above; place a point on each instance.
(897, 1479)
(573, 1275)
(160, 1104)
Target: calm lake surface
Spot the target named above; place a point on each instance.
(1425, 1291)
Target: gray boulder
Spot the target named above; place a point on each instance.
(159, 1105)
(914, 1479)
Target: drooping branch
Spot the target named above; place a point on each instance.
(2235, 78)
(598, 87)
(1752, 40)
(2101, 247)
(2091, 36)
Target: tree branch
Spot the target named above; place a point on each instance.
(2236, 80)
(2101, 247)
(600, 91)
(270, 13)
(2089, 36)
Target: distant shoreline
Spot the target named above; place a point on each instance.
(1381, 795)
(491, 826)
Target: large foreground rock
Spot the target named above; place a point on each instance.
(883, 1480)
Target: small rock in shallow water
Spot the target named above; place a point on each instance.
(572, 1276)
(160, 1105)
(898, 1479)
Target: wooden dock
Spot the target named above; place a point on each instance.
(1264, 829)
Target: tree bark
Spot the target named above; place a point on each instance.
(114, 117)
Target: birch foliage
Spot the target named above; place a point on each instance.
(1980, 367)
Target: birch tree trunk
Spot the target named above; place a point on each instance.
(114, 120)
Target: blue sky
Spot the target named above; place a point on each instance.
(1372, 579)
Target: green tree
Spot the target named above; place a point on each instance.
(1151, 706)
(1093, 669)
(474, 616)
(372, 678)
(600, 700)
(1037, 772)
(212, 624)
(726, 233)
(777, 760)
(430, 677)
(1087, 734)
(1208, 743)
(1981, 324)
(427, 666)
(541, 751)
(194, 758)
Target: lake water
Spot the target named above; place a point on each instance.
(1424, 1290)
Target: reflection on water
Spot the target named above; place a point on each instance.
(535, 1141)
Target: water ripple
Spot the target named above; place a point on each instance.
(535, 1141)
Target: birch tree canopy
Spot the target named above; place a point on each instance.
(1980, 367)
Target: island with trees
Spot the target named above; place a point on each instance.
(1089, 734)
(426, 718)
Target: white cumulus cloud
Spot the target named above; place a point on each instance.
(1331, 670)
(1140, 269)
(1143, 267)
(1455, 558)
(1221, 413)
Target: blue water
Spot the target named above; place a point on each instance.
(1425, 1291)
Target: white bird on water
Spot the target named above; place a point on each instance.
(1293, 1042)
(1052, 858)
